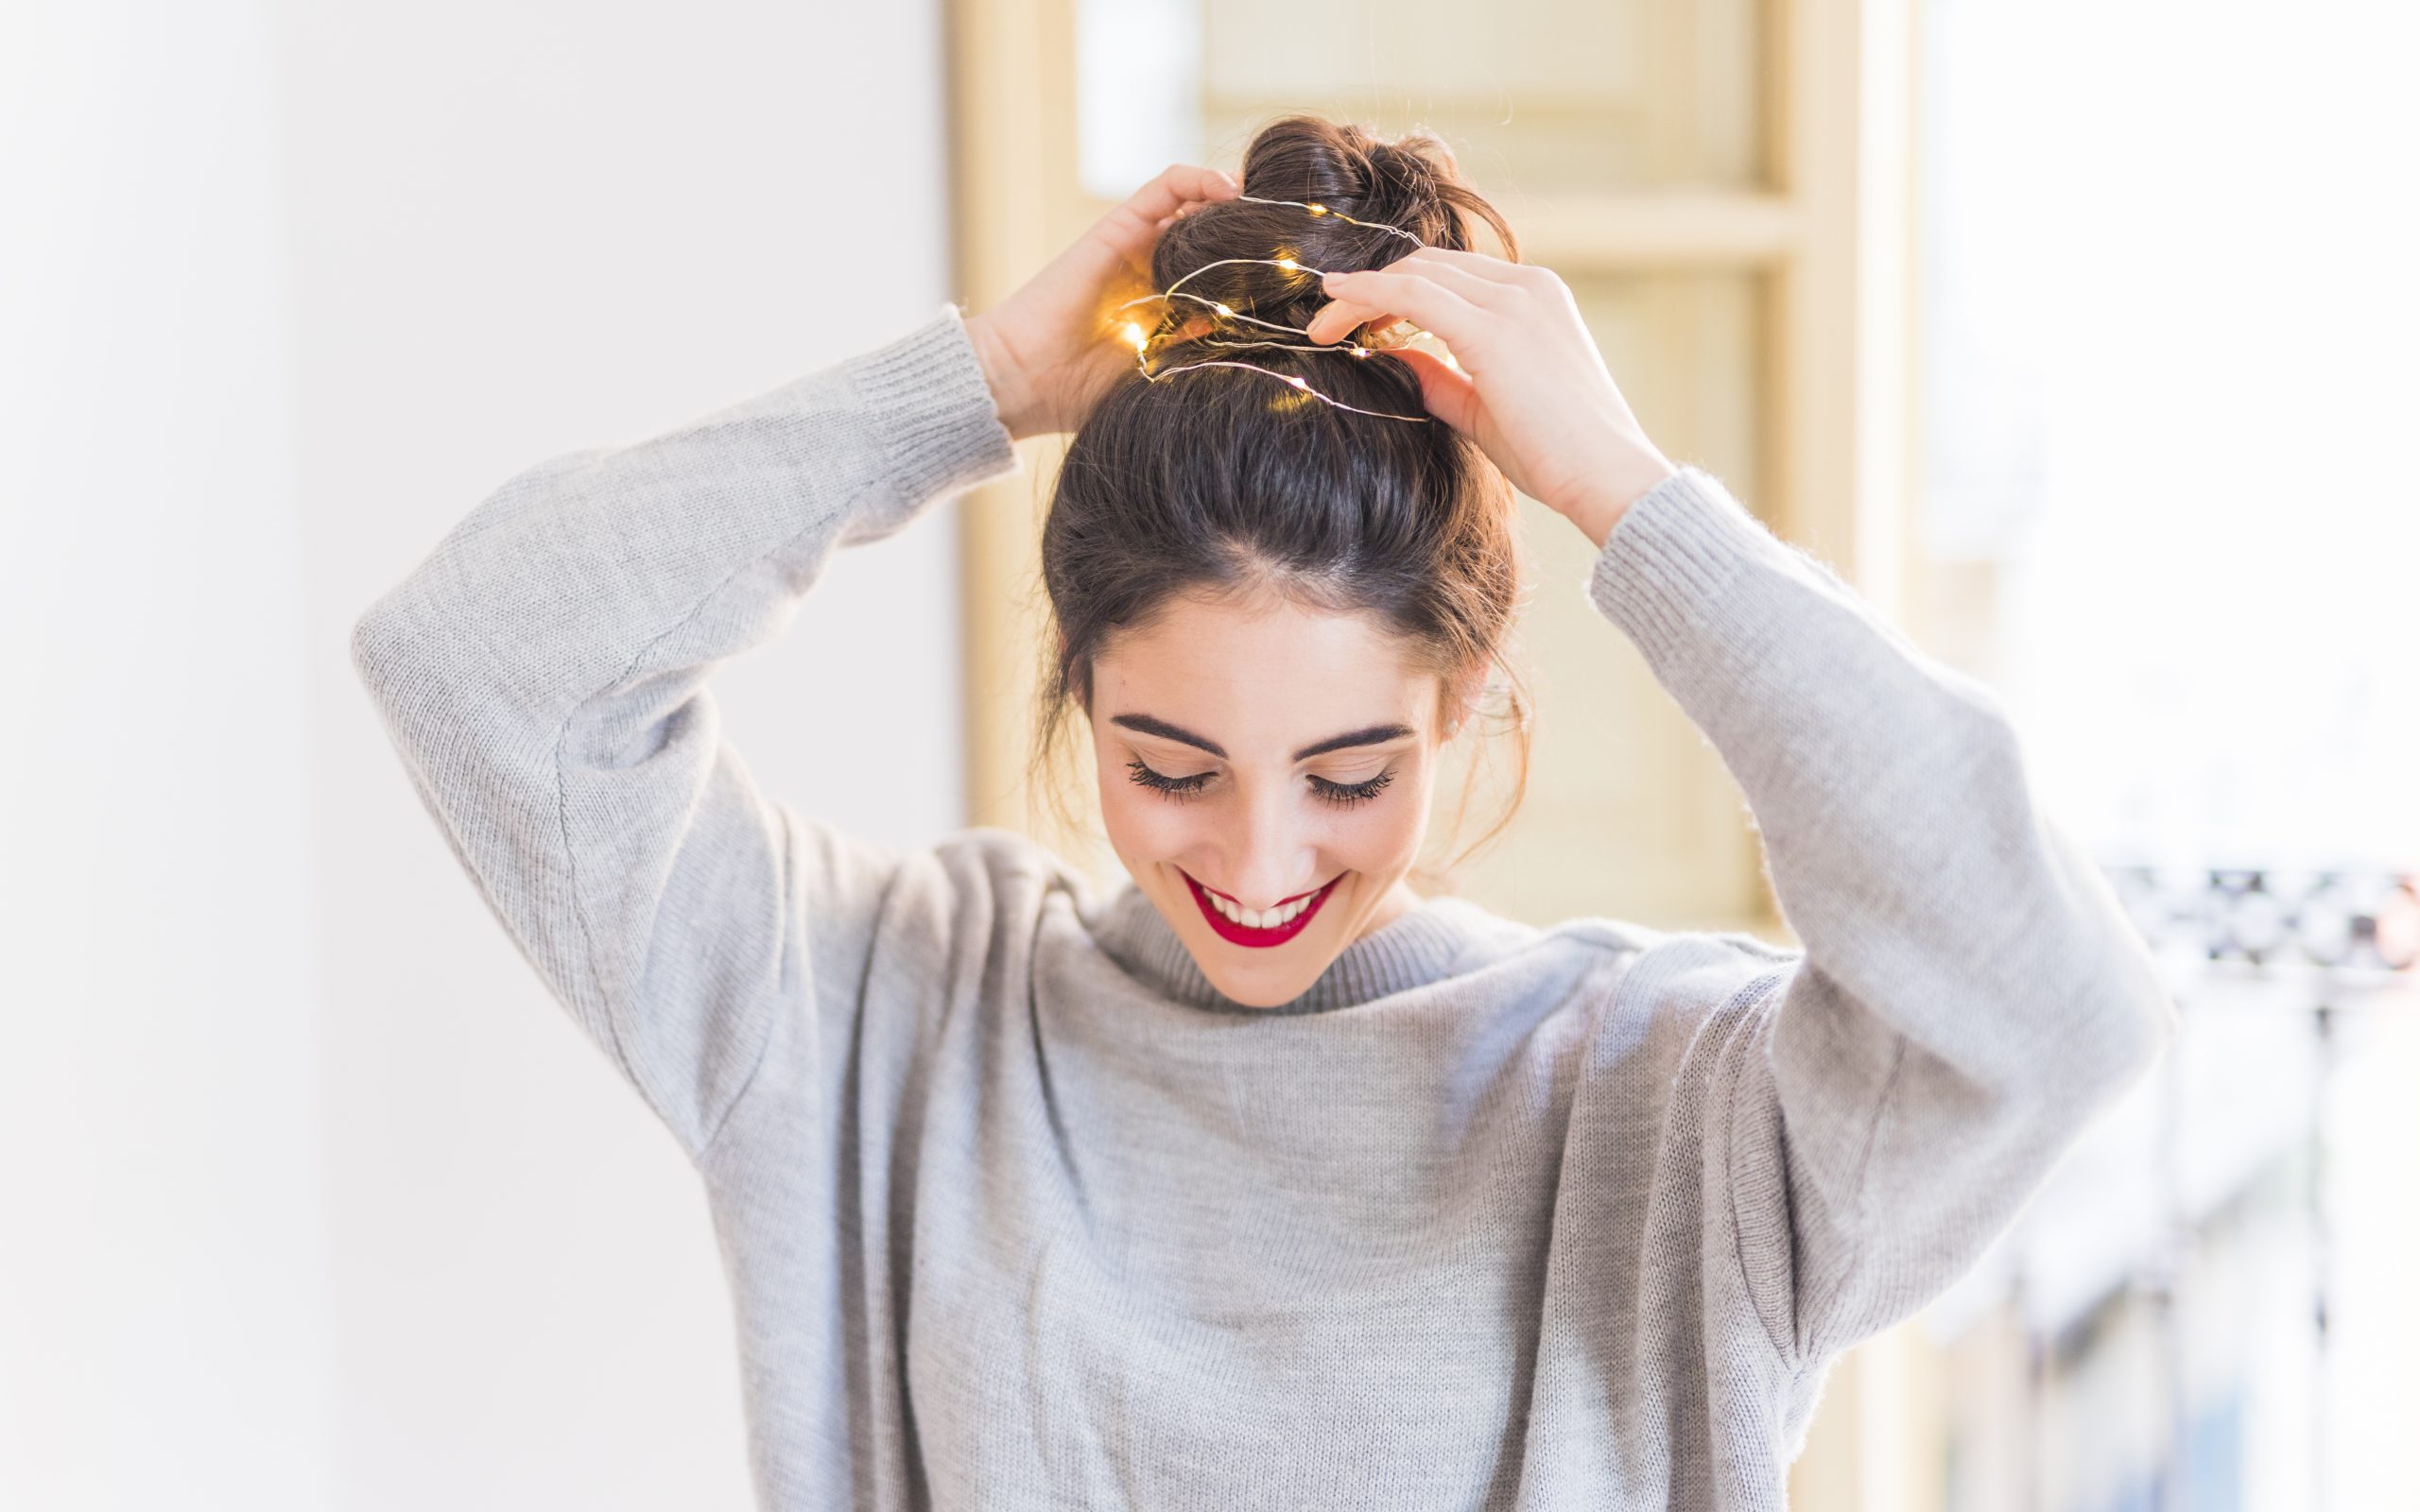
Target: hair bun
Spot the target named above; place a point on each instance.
(1225, 251)
(1412, 182)
(1404, 178)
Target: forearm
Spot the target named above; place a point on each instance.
(1901, 834)
(1627, 479)
(542, 675)
(596, 570)
(1969, 991)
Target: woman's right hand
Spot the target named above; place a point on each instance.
(1048, 351)
(1527, 381)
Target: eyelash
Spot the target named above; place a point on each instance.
(1178, 789)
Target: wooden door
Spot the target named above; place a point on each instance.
(1722, 183)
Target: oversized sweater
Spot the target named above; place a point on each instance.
(1019, 1212)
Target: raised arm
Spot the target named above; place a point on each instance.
(542, 675)
(1970, 992)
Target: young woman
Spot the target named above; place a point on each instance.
(1263, 1179)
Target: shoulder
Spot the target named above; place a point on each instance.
(1621, 938)
(999, 857)
(1674, 972)
(971, 880)
(996, 879)
(1679, 999)
(1621, 966)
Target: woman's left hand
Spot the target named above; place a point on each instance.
(1526, 382)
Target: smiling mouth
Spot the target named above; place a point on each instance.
(1240, 933)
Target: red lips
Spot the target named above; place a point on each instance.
(1229, 930)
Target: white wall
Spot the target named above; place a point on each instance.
(165, 1319)
(310, 1195)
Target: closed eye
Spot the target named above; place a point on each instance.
(1178, 789)
(1344, 795)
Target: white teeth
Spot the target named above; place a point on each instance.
(1258, 918)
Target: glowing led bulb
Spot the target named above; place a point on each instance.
(1141, 342)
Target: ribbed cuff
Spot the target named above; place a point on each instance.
(1663, 569)
(941, 428)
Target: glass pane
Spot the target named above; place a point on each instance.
(1540, 97)
(1663, 837)
(2166, 511)
(2166, 497)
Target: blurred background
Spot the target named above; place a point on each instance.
(2078, 336)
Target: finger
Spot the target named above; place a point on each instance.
(1445, 391)
(1461, 276)
(1476, 264)
(1487, 281)
(1423, 298)
(1338, 317)
(1180, 185)
(1132, 228)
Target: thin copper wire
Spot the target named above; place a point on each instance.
(1142, 346)
(1323, 210)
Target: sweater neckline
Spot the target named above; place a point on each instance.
(1415, 949)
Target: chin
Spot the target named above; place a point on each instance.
(1263, 992)
(1269, 977)
(1252, 984)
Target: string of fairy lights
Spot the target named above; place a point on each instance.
(1358, 350)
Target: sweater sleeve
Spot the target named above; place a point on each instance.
(543, 675)
(1969, 992)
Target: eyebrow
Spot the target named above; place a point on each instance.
(1149, 725)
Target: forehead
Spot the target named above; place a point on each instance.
(1272, 668)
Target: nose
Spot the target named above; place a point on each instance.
(1274, 855)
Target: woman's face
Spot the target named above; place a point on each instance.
(1274, 759)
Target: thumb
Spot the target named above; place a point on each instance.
(1446, 392)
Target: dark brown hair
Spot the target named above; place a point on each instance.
(1231, 485)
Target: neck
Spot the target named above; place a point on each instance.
(1399, 900)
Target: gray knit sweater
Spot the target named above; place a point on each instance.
(1018, 1213)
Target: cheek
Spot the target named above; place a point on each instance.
(1394, 827)
(1143, 824)
(1383, 839)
